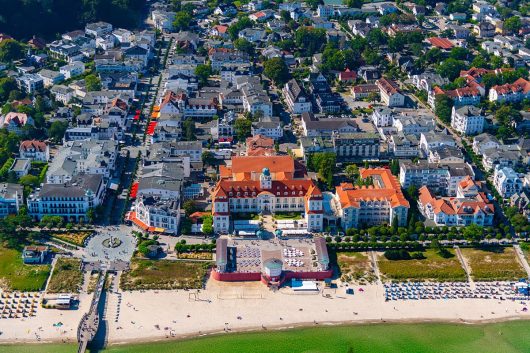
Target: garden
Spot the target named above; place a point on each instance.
(15, 275)
(431, 264)
(287, 216)
(493, 264)
(72, 237)
(66, 276)
(164, 274)
(200, 255)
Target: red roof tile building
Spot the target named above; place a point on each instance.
(268, 185)
(379, 203)
(441, 43)
(510, 92)
(260, 145)
(469, 207)
(34, 150)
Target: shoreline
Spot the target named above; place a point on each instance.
(221, 308)
(276, 328)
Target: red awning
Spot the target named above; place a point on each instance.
(139, 223)
(134, 191)
(151, 128)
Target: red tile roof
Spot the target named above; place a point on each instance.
(442, 43)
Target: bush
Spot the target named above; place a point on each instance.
(397, 254)
(417, 255)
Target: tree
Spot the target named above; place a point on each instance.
(513, 24)
(243, 128)
(310, 40)
(208, 158)
(207, 224)
(276, 70)
(91, 215)
(313, 4)
(394, 167)
(459, 53)
(324, 164)
(7, 85)
(11, 50)
(443, 106)
(182, 21)
(353, 3)
(333, 59)
(450, 68)
(57, 130)
(203, 72)
(92, 83)
(352, 171)
(245, 46)
(242, 23)
(189, 130)
(189, 207)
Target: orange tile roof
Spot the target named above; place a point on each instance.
(385, 188)
(276, 164)
(453, 205)
(442, 43)
(521, 85)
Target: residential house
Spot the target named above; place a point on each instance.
(34, 150)
(295, 97)
(507, 182)
(268, 126)
(456, 211)
(11, 198)
(72, 70)
(467, 120)
(390, 93)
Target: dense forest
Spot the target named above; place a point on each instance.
(46, 18)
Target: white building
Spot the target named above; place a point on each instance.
(268, 126)
(11, 198)
(70, 200)
(34, 150)
(467, 120)
(507, 182)
(390, 93)
(295, 97)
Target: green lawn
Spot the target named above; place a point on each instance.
(509, 337)
(494, 264)
(433, 267)
(15, 275)
(288, 215)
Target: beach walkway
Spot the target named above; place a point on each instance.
(465, 266)
(522, 259)
(90, 322)
(375, 266)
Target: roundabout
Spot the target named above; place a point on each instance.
(111, 244)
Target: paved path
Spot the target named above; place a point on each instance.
(375, 266)
(465, 266)
(90, 322)
(522, 259)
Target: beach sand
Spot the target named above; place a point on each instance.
(231, 307)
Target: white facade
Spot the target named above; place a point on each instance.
(467, 120)
(507, 182)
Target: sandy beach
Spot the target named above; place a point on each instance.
(235, 307)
